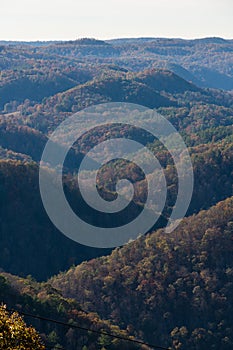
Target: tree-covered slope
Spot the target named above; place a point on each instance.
(176, 288)
(206, 62)
(170, 289)
(30, 244)
(43, 301)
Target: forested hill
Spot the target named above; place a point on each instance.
(170, 289)
(175, 288)
(206, 62)
(46, 303)
(41, 250)
(203, 116)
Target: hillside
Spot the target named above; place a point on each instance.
(173, 289)
(165, 80)
(207, 61)
(204, 62)
(20, 198)
(203, 117)
(116, 88)
(44, 301)
(151, 88)
(36, 82)
(30, 244)
(176, 288)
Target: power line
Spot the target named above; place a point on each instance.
(92, 330)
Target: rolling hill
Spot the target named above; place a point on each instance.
(175, 288)
(171, 289)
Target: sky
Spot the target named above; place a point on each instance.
(106, 19)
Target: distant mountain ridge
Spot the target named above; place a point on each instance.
(144, 53)
(173, 289)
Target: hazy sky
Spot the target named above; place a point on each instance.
(71, 19)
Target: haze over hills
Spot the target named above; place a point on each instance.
(203, 116)
(207, 61)
(175, 288)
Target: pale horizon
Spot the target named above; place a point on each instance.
(115, 38)
(45, 20)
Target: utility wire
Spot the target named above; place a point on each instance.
(135, 341)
